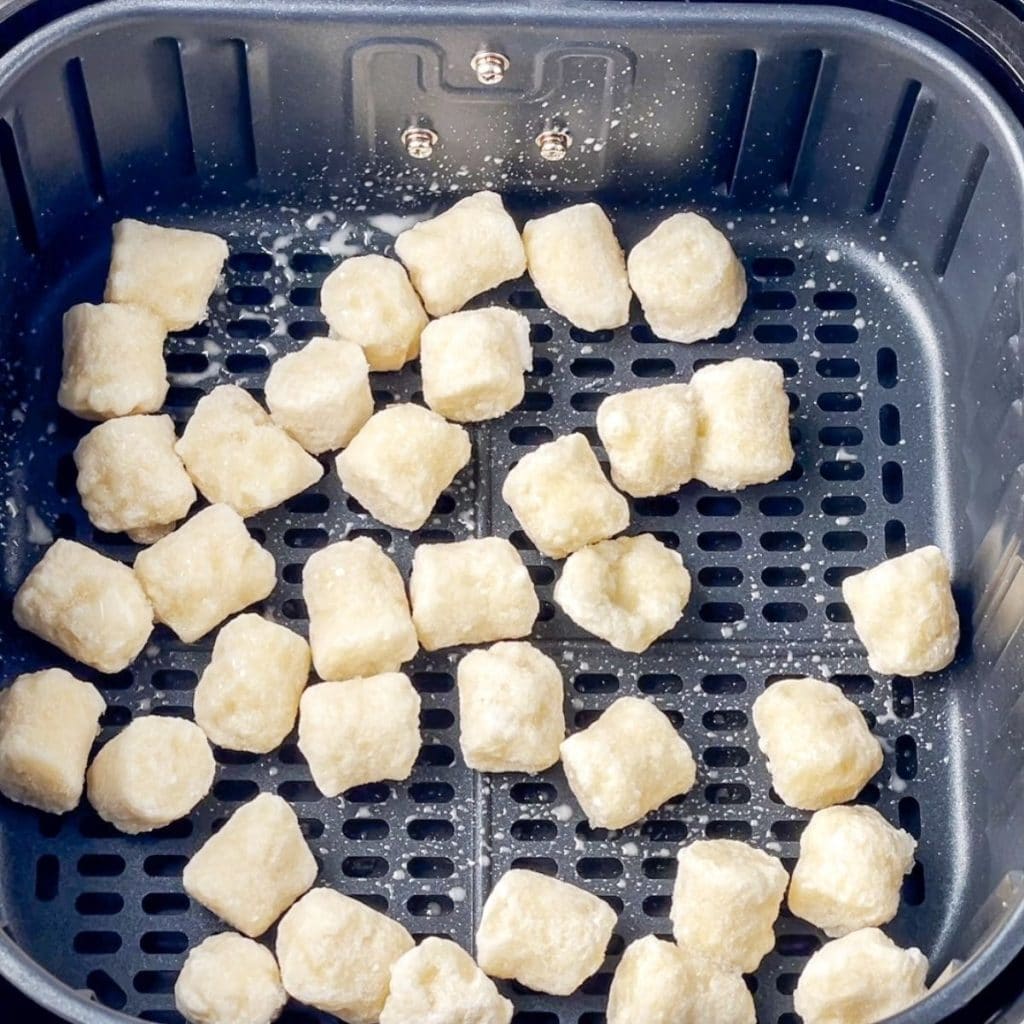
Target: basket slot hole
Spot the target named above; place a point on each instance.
(773, 266)
(372, 900)
(783, 576)
(892, 482)
(434, 905)
(906, 757)
(838, 436)
(306, 538)
(775, 334)
(726, 720)
(533, 793)
(660, 682)
(642, 334)
(114, 717)
(299, 790)
(586, 717)
(536, 401)
(797, 945)
(726, 757)
(663, 506)
(591, 366)
(788, 831)
(107, 991)
(720, 576)
(740, 830)
(525, 299)
(369, 793)
(154, 982)
(842, 471)
(781, 505)
(249, 295)
(294, 608)
(164, 865)
(527, 830)
(888, 368)
(311, 828)
(838, 612)
(837, 368)
(376, 534)
(782, 540)
(99, 904)
(365, 829)
(910, 816)
(235, 790)
(542, 367)
(653, 367)
(835, 300)
(544, 865)
(599, 867)
(436, 755)
(839, 401)
(430, 867)
(784, 611)
(250, 328)
(852, 684)
(541, 575)
(165, 903)
(308, 504)
(843, 505)
(727, 793)
(530, 435)
(913, 886)
(773, 300)
(364, 867)
(433, 682)
(657, 906)
(595, 682)
(157, 943)
(895, 538)
(311, 262)
(251, 262)
(436, 718)
(723, 684)
(100, 865)
(182, 398)
(902, 697)
(836, 334)
(844, 540)
(186, 362)
(835, 574)
(889, 424)
(47, 877)
(430, 830)
(96, 943)
(587, 401)
(305, 330)
(718, 505)
(583, 337)
(305, 295)
(721, 611)
(719, 540)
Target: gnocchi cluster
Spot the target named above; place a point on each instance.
(728, 427)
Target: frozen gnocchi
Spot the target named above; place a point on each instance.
(546, 934)
(254, 868)
(820, 750)
(359, 619)
(359, 731)
(321, 394)
(470, 592)
(628, 591)
(578, 266)
(472, 363)
(400, 461)
(151, 773)
(562, 499)
(169, 271)
(470, 248)
(510, 709)
(904, 614)
(336, 954)
(48, 721)
(248, 695)
(208, 569)
(87, 605)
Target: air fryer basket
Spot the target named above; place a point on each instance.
(871, 181)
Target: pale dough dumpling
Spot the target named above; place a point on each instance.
(169, 271)
(48, 721)
(438, 982)
(548, 935)
(687, 278)
(820, 750)
(577, 264)
(650, 435)
(472, 363)
(113, 361)
(86, 604)
(237, 456)
(321, 394)
(851, 867)
(471, 592)
(229, 979)
(205, 571)
(658, 983)
(248, 695)
(336, 954)
(130, 478)
(725, 901)
(743, 424)
(628, 591)
(359, 731)
(861, 978)
(254, 868)
(904, 614)
(368, 301)
(359, 620)
(626, 763)
(468, 249)
(399, 463)
(510, 709)
(562, 499)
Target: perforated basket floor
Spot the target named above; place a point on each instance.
(107, 912)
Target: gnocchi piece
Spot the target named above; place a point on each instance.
(471, 592)
(548, 935)
(578, 266)
(561, 497)
(650, 435)
(248, 695)
(368, 301)
(904, 614)
(510, 709)
(725, 901)
(48, 721)
(472, 363)
(743, 424)
(169, 271)
(656, 982)
(359, 731)
(400, 461)
(87, 605)
(851, 867)
(237, 456)
(152, 773)
(470, 248)
(628, 591)
(437, 982)
(229, 979)
(129, 477)
(359, 620)
(861, 978)
(207, 569)
(687, 278)
(113, 361)
(628, 762)
(321, 394)
(336, 954)
(820, 750)
(254, 868)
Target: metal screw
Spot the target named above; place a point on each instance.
(554, 143)
(490, 67)
(419, 142)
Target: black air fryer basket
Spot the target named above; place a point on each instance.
(869, 168)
